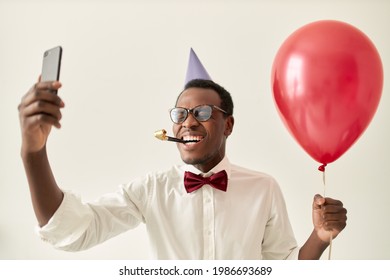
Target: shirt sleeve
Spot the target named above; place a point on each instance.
(279, 241)
(77, 226)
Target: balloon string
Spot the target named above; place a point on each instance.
(330, 246)
(322, 169)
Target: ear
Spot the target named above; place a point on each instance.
(229, 123)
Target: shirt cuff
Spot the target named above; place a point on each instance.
(294, 254)
(67, 224)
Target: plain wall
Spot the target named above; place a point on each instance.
(124, 63)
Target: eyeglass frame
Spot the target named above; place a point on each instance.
(188, 111)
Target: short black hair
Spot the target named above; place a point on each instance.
(226, 98)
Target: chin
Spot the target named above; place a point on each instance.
(192, 161)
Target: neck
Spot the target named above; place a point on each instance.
(207, 166)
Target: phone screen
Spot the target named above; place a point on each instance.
(51, 64)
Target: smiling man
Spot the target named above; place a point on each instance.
(205, 121)
(206, 208)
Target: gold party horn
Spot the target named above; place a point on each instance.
(162, 135)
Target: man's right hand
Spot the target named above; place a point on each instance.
(39, 110)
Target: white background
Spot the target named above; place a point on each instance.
(124, 63)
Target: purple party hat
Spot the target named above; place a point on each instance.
(195, 69)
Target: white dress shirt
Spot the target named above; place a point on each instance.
(248, 221)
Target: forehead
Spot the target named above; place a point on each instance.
(198, 96)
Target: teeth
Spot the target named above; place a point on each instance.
(192, 138)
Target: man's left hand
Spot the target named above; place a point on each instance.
(329, 217)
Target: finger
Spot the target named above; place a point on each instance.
(334, 209)
(335, 217)
(41, 91)
(334, 225)
(335, 212)
(44, 86)
(49, 85)
(42, 107)
(331, 201)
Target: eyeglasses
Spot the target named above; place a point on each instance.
(201, 113)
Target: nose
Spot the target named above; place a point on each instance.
(190, 121)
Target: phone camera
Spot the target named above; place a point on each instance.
(46, 53)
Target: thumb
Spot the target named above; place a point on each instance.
(318, 201)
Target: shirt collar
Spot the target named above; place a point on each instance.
(224, 164)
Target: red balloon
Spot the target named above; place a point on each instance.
(327, 80)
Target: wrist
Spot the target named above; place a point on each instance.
(28, 153)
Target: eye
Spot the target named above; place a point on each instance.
(203, 113)
(178, 114)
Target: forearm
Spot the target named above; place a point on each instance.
(46, 196)
(313, 248)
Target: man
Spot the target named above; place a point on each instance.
(245, 218)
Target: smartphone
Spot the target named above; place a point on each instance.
(51, 64)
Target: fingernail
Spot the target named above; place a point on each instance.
(56, 84)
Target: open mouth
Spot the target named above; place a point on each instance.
(187, 139)
(190, 139)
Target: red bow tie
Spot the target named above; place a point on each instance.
(192, 182)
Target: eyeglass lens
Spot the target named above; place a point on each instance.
(201, 113)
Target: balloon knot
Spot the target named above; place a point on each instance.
(322, 167)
